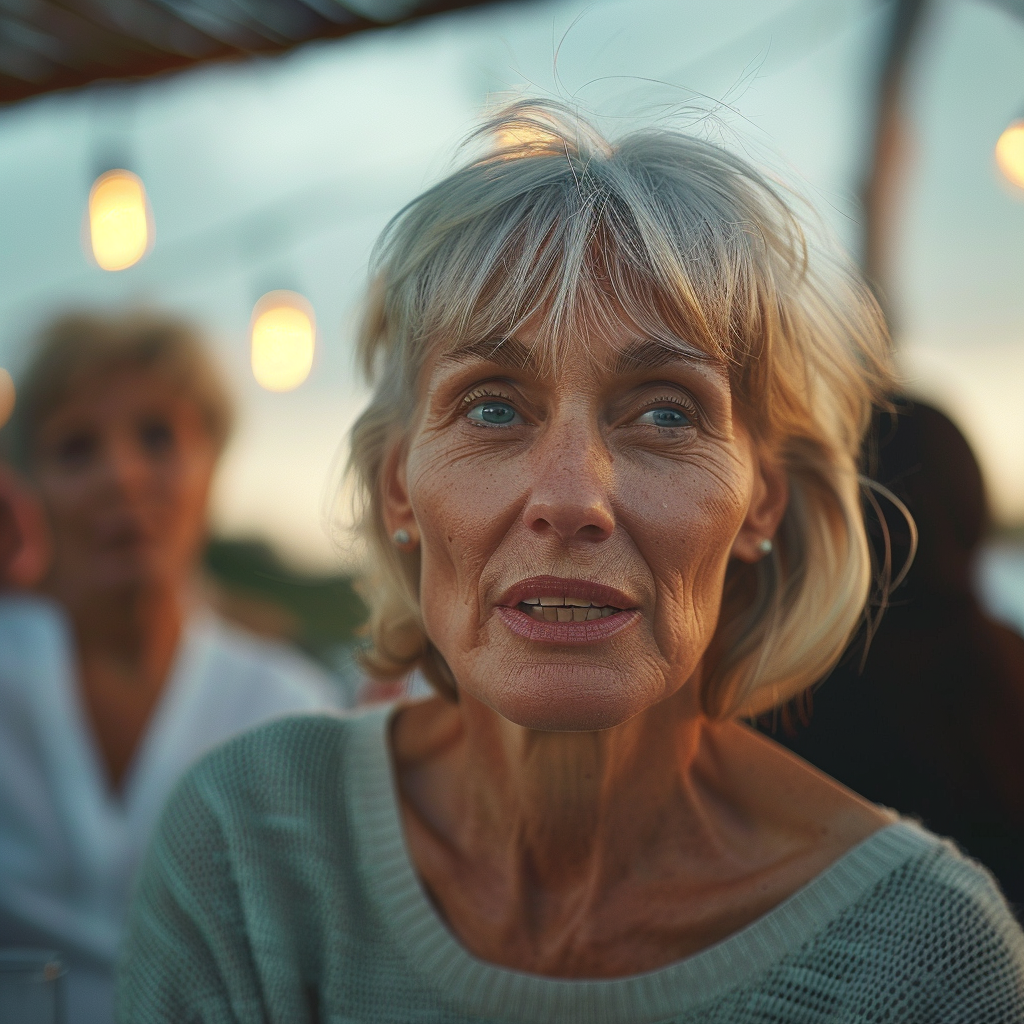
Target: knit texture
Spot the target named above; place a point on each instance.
(279, 890)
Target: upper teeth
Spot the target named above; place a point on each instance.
(569, 609)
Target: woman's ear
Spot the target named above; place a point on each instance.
(768, 503)
(396, 506)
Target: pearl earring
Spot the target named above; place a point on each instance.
(400, 538)
(765, 545)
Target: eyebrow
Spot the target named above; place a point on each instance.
(641, 354)
(508, 352)
(650, 353)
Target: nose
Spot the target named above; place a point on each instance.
(571, 484)
(125, 467)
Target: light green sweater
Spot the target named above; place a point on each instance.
(279, 889)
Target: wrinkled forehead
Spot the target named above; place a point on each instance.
(591, 343)
(618, 327)
(546, 300)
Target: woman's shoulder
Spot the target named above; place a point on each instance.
(813, 819)
(315, 736)
(931, 876)
(902, 928)
(299, 765)
(933, 932)
(259, 829)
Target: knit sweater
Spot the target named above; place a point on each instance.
(279, 889)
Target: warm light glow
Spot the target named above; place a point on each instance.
(1010, 153)
(6, 396)
(283, 339)
(120, 225)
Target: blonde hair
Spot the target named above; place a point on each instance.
(79, 345)
(674, 238)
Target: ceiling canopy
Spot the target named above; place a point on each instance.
(58, 44)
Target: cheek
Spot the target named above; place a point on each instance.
(687, 522)
(452, 483)
(464, 509)
(185, 488)
(66, 501)
(194, 485)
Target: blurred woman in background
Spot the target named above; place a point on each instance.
(114, 676)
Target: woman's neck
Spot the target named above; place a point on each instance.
(126, 641)
(558, 811)
(578, 805)
(136, 628)
(611, 853)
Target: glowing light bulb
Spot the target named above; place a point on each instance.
(1010, 153)
(7, 395)
(283, 339)
(120, 222)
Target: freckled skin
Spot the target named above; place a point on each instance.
(575, 814)
(578, 490)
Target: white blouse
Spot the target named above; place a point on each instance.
(69, 845)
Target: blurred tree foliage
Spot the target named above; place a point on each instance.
(252, 586)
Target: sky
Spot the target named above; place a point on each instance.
(280, 173)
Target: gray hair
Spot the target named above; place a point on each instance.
(679, 240)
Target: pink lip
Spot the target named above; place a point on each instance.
(589, 632)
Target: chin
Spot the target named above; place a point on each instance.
(568, 698)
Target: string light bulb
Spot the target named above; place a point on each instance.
(120, 220)
(1010, 153)
(283, 338)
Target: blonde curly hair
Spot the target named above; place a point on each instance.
(676, 238)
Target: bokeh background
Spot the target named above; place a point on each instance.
(279, 138)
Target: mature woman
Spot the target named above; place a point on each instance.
(113, 675)
(611, 488)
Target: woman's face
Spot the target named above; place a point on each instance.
(123, 468)
(575, 526)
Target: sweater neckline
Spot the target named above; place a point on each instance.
(486, 990)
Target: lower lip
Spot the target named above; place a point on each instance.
(589, 632)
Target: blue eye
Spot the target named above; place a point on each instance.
(498, 414)
(666, 417)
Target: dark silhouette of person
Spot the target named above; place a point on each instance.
(931, 720)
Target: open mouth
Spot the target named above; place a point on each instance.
(551, 609)
(565, 609)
